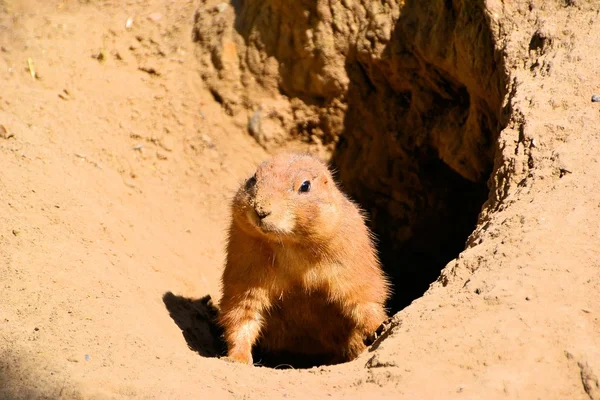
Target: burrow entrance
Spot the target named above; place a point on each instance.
(420, 135)
(420, 113)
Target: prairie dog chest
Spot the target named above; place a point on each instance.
(297, 271)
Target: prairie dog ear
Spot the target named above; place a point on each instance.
(324, 179)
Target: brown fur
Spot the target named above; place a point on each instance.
(306, 278)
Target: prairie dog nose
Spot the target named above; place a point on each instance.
(261, 212)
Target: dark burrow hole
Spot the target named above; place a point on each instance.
(420, 136)
(418, 232)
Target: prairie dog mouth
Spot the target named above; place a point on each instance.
(272, 224)
(262, 224)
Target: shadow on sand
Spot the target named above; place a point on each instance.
(197, 321)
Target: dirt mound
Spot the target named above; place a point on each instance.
(125, 128)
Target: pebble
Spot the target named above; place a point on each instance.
(595, 98)
(156, 16)
(4, 133)
(207, 141)
(254, 123)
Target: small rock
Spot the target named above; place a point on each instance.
(129, 23)
(100, 56)
(4, 133)
(254, 123)
(375, 362)
(87, 357)
(160, 156)
(221, 7)
(595, 98)
(156, 16)
(207, 141)
(564, 171)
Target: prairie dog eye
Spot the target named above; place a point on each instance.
(305, 187)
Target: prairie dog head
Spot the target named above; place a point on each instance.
(291, 197)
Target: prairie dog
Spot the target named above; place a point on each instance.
(302, 275)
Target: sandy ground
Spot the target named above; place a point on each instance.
(116, 168)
